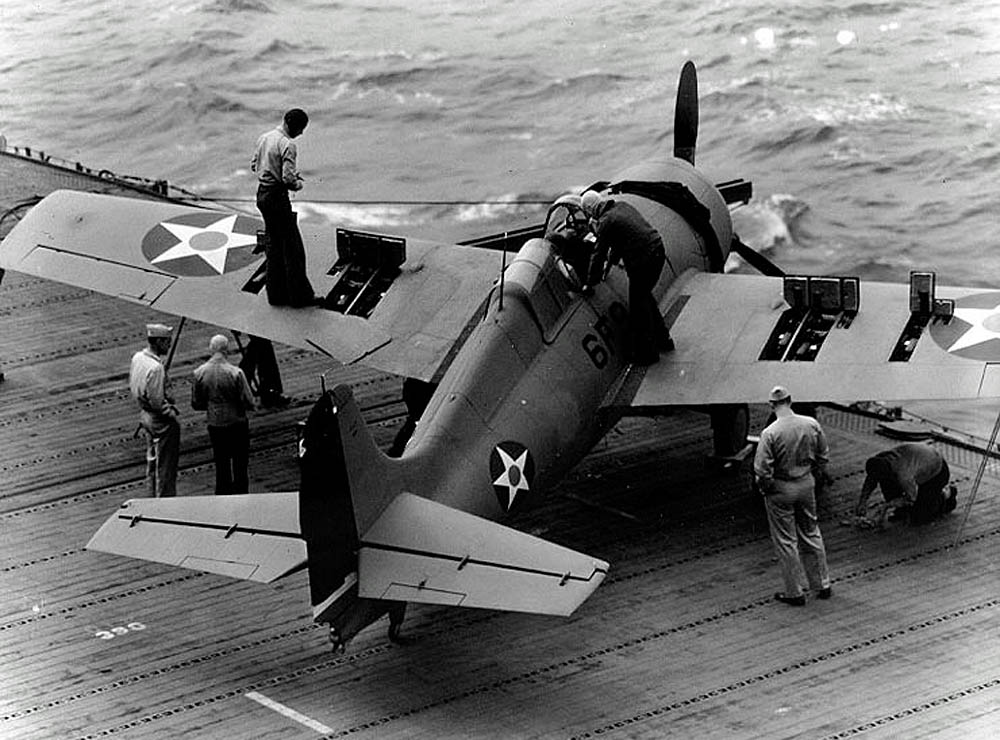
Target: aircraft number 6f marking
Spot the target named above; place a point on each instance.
(600, 346)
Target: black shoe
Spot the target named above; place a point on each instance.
(791, 600)
(666, 345)
(824, 593)
(949, 505)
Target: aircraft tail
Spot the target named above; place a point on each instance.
(346, 483)
(373, 547)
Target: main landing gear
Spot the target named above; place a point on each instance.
(394, 628)
(396, 613)
(730, 425)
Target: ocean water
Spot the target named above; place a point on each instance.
(869, 129)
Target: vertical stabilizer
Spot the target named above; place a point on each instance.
(346, 483)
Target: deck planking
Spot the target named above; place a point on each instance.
(682, 640)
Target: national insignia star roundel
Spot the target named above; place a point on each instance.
(974, 331)
(202, 244)
(512, 470)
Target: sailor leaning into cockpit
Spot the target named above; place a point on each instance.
(623, 234)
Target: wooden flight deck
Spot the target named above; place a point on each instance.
(682, 640)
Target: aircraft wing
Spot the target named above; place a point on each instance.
(202, 264)
(419, 550)
(735, 339)
(253, 537)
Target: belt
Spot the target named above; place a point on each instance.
(789, 479)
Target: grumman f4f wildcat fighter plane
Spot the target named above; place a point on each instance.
(528, 373)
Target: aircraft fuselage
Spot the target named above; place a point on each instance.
(522, 402)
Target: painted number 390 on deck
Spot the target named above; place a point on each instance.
(119, 631)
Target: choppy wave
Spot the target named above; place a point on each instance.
(868, 129)
(396, 216)
(769, 224)
(237, 6)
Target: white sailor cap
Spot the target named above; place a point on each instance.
(154, 331)
(778, 393)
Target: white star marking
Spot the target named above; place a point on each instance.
(212, 243)
(984, 325)
(516, 482)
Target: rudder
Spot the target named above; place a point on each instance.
(346, 483)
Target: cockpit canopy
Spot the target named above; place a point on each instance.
(567, 228)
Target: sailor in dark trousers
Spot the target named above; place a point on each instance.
(912, 477)
(221, 390)
(260, 366)
(623, 234)
(274, 161)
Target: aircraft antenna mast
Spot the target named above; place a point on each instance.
(503, 268)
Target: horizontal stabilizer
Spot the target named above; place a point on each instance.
(253, 537)
(423, 551)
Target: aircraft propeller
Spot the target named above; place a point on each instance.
(686, 114)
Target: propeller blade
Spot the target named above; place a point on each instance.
(686, 114)
(755, 259)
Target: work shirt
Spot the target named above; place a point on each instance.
(221, 389)
(790, 448)
(623, 234)
(274, 160)
(911, 464)
(149, 384)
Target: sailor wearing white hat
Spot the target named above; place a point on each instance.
(792, 450)
(150, 387)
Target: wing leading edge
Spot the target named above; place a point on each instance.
(731, 332)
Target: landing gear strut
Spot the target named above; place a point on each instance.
(396, 614)
(394, 628)
(730, 424)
